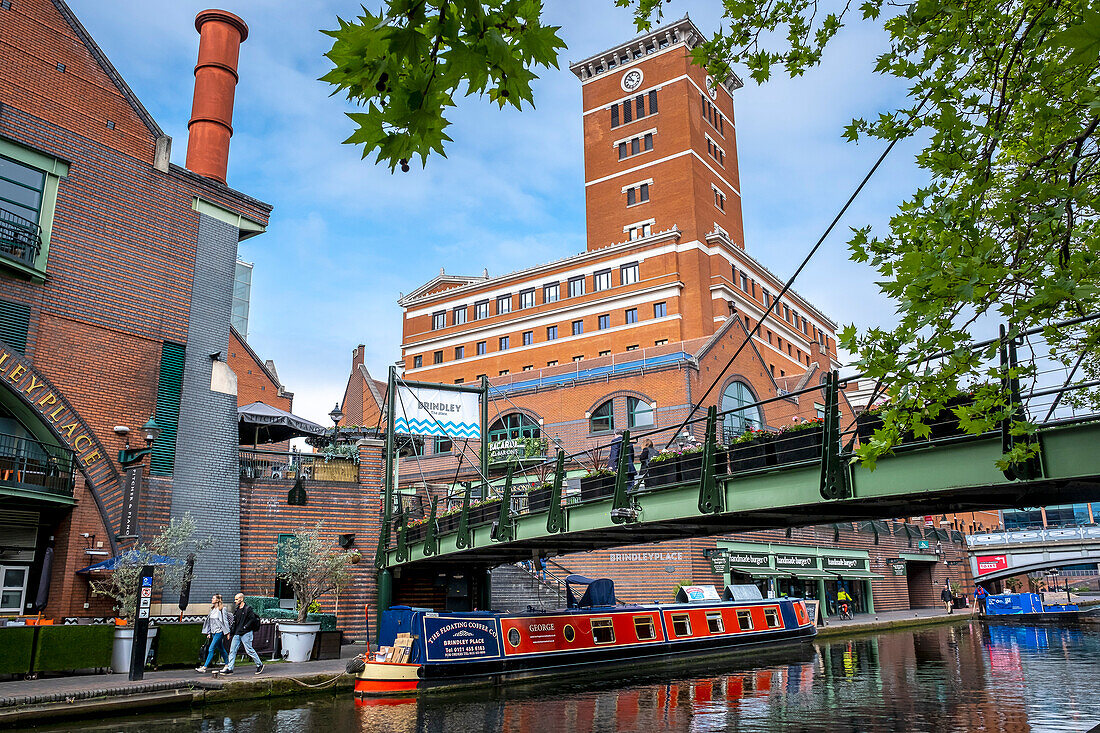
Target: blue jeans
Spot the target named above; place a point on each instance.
(215, 646)
(246, 640)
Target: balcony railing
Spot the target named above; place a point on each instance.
(259, 464)
(29, 465)
(20, 239)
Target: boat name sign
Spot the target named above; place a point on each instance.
(448, 638)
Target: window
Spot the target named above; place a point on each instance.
(528, 338)
(744, 620)
(605, 353)
(719, 199)
(437, 357)
(458, 315)
(632, 347)
(653, 102)
(480, 348)
(439, 320)
(27, 193)
(744, 282)
(578, 357)
(460, 380)
(527, 298)
(604, 321)
(787, 313)
(550, 293)
(13, 588)
(660, 342)
(715, 152)
(442, 445)
(767, 298)
(631, 315)
(628, 274)
(552, 363)
(514, 426)
(636, 145)
(418, 361)
(529, 367)
(504, 304)
(503, 342)
(615, 115)
(460, 352)
(738, 395)
(639, 104)
(578, 328)
(603, 418)
(623, 150)
(714, 622)
(628, 113)
(551, 333)
(681, 624)
(643, 625)
(660, 310)
(502, 372)
(601, 280)
(481, 310)
(603, 631)
(771, 616)
(637, 195)
(576, 286)
(639, 414)
(640, 230)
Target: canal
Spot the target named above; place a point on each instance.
(966, 677)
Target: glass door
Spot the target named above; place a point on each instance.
(14, 589)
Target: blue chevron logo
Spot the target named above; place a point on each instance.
(431, 427)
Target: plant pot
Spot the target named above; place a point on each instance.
(485, 513)
(751, 455)
(415, 534)
(866, 425)
(691, 466)
(124, 643)
(297, 640)
(449, 523)
(800, 445)
(538, 500)
(946, 423)
(597, 487)
(662, 474)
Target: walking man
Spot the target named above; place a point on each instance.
(613, 458)
(245, 622)
(947, 598)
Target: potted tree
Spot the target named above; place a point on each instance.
(165, 552)
(312, 568)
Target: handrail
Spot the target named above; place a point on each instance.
(20, 238)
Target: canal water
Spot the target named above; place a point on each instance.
(967, 677)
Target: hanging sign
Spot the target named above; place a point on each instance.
(897, 567)
(438, 412)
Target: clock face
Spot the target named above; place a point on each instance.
(712, 88)
(631, 80)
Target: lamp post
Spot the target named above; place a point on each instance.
(336, 416)
(150, 431)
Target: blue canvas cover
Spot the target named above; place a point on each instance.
(1013, 603)
(598, 592)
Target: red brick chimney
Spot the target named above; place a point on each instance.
(220, 37)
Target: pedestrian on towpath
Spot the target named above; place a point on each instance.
(245, 623)
(980, 594)
(216, 626)
(947, 598)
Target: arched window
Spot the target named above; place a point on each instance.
(639, 413)
(514, 426)
(738, 394)
(603, 418)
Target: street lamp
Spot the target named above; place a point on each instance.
(150, 431)
(336, 416)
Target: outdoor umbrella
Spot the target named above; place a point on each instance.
(185, 591)
(108, 565)
(261, 423)
(43, 596)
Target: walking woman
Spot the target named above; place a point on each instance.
(216, 627)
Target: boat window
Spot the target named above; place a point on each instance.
(513, 637)
(643, 627)
(603, 632)
(772, 617)
(714, 622)
(681, 624)
(569, 633)
(744, 620)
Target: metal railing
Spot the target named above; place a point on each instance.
(289, 466)
(1035, 536)
(29, 464)
(20, 239)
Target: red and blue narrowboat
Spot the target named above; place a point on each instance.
(464, 649)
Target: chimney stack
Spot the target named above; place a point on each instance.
(220, 37)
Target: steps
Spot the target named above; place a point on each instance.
(514, 589)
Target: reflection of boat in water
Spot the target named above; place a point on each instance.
(462, 649)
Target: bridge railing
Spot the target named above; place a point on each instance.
(1034, 536)
(1034, 380)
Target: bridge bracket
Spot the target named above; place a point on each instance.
(504, 529)
(834, 474)
(555, 517)
(431, 534)
(621, 506)
(380, 560)
(1032, 467)
(402, 541)
(711, 498)
(462, 539)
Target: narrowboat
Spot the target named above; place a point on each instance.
(448, 650)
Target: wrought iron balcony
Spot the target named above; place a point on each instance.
(261, 464)
(28, 467)
(20, 239)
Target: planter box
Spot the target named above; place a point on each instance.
(416, 534)
(597, 487)
(485, 513)
(752, 455)
(662, 474)
(449, 523)
(538, 500)
(690, 466)
(946, 424)
(178, 644)
(16, 649)
(63, 648)
(327, 645)
(866, 425)
(802, 445)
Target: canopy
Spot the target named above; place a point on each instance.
(814, 574)
(760, 572)
(859, 574)
(108, 565)
(599, 592)
(261, 423)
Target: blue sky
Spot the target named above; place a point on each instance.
(346, 236)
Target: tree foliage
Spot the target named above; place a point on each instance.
(312, 567)
(1002, 94)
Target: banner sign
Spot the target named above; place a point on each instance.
(131, 502)
(844, 563)
(802, 562)
(749, 559)
(455, 638)
(438, 412)
(991, 563)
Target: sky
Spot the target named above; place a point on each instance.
(347, 237)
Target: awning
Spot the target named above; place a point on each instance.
(814, 574)
(914, 557)
(261, 423)
(108, 565)
(859, 574)
(760, 572)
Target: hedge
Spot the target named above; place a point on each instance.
(16, 649)
(73, 647)
(260, 603)
(327, 620)
(178, 644)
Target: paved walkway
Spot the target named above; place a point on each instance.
(891, 619)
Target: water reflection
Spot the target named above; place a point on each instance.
(967, 677)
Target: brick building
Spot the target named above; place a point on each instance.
(116, 286)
